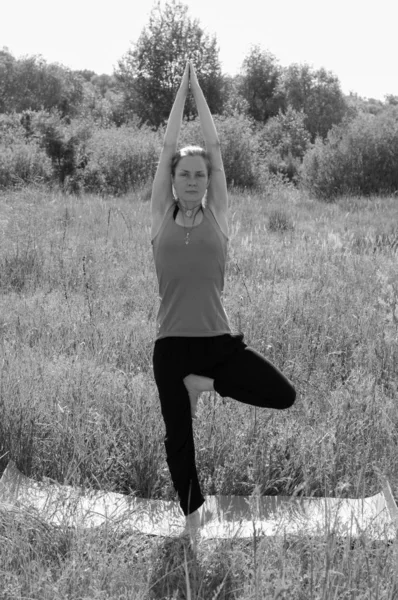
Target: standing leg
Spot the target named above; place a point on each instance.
(176, 411)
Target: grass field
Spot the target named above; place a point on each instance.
(314, 288)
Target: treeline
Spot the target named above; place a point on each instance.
(102, 133)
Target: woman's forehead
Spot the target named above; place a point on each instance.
(192, 163)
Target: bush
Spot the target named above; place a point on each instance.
(286, 134)
(22, 161)
(239, 146)
(64, 141)
(283, 142)
(359, 157)
(120, 158)
(11, 129)
(23, 164)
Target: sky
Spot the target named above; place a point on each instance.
(355, 39)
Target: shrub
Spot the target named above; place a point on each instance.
(358, 157)
(286, 134)
(11, 129)
(283, 142)
(120, 158)
(65, 143)
(22, 161)
(23, 164)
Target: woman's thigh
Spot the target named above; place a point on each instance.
(249, 377)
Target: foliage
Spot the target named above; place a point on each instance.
(63, 140)
(284, 140)
(86, 74)
(150, 72)
(234, 103)
(118, 159)
(358, 157)
(22, 161)
(11, 129)
(391, 100)
(357, 105)
(31, 84)
(286, 133)
(22, 164)
(317, 94)
(103, 105)
(104, 83)
(258, 85)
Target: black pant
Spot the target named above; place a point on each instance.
(238, 371)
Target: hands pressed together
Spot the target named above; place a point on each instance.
(189, 79)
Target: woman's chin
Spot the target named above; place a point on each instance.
(192, 197)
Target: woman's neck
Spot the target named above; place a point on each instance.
(189, 211)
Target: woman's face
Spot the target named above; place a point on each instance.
(191, 179)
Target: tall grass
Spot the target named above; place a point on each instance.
(78, 403)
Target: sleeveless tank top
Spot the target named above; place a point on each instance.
(190, 278)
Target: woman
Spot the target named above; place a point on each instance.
(195, 350)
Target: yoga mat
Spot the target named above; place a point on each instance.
(376, 516)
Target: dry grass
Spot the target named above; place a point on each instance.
(78, 301)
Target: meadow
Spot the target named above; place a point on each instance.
(312, 285)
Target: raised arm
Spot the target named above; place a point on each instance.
(161, 188)
(217, 194)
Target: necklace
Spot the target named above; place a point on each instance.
(188, 233)
(188, 211)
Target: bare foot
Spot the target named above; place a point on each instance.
(196, 384)
(194, 523)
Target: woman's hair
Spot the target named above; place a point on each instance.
(190, 151)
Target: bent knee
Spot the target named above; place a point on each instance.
(288, 398)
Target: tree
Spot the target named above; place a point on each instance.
(103, 83)
(234, 103)
(86, 74)
(357, 105)
(284, 141)
(30, 83)
(150, 72)
(391, 100)
(286, 134)
(7, 77)
(317, 93)
(260, 76)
